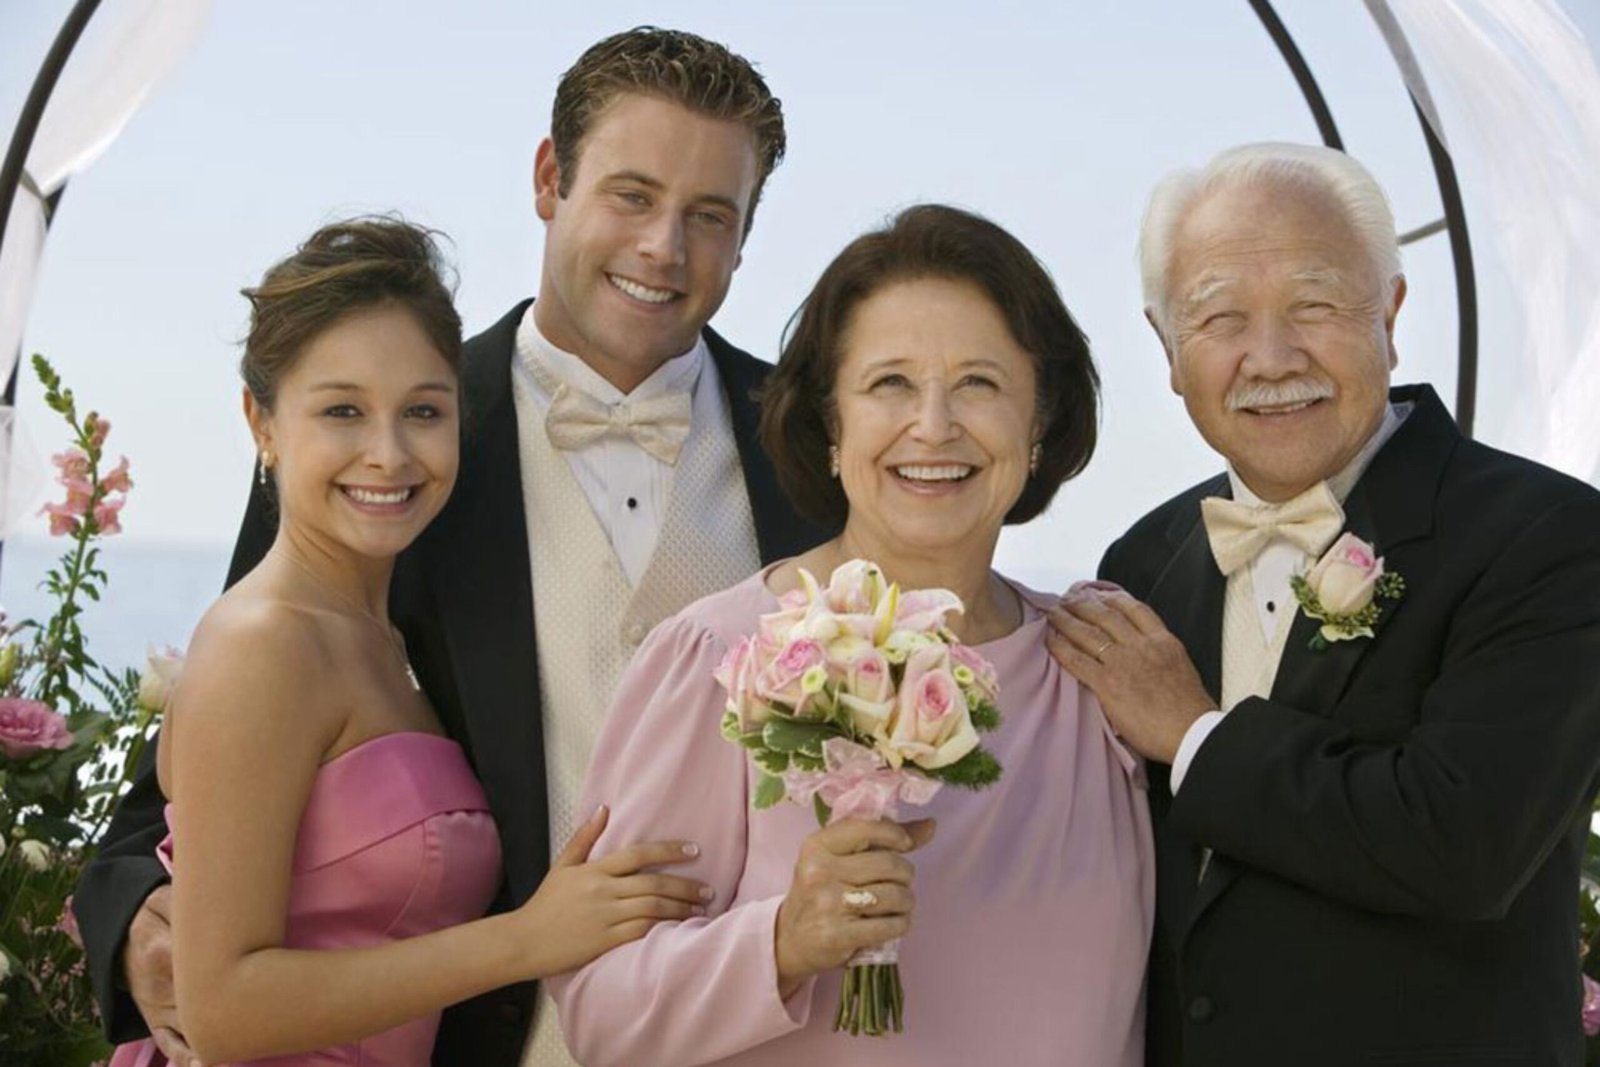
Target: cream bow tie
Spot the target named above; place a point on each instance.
(1238, 532)
(659, 425)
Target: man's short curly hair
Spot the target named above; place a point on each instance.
(701, 75)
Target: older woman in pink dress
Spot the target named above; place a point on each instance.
(933, 388)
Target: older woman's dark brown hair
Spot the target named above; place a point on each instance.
(929, 241)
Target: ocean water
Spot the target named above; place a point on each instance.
(155, 595)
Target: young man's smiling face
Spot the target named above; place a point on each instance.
(639, 253)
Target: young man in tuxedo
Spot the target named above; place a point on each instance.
(610, 475)
(1368, 834)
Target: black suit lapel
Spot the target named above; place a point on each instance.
(780, 532)
(483, 589)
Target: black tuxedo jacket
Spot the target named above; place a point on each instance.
(462, 595)
(1398, 826)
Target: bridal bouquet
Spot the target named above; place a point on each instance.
(856, 697)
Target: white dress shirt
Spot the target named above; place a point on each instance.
(627, 487)
(1271, 571)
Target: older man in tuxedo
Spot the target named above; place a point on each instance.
(1363, 664)
(610, 475)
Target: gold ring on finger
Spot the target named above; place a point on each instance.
(859, 899)
(1101, 651)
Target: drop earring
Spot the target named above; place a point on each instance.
(1034, 457)
(833, 461)
(261, 465)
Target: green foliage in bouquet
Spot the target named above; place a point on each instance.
(71, 731)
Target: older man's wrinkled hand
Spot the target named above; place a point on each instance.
(1141, 673)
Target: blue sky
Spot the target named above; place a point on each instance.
(1053, 119)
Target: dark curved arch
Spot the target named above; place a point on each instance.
(13, 171)
(1455, 216)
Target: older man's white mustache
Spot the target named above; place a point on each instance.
(1278, 394)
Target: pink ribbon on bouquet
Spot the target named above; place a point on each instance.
(858, 783)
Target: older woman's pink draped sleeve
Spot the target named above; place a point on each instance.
(699, 990)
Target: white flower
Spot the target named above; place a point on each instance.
(162, 667)
(36, 854)
(5, 965)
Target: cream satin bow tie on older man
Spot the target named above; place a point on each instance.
(1238, 532)
(658, 425)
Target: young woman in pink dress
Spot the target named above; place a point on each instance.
(331, 850)
(932, 389)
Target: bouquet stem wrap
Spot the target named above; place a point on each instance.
(857, 783)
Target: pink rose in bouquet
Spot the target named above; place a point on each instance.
(1591, 1006)
(933, 724)
(28, 727)
(795, 675)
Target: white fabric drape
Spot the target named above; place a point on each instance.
(125, 51)
(1517, 94)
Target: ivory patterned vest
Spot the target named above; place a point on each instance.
(1250, 657)
(588, 619)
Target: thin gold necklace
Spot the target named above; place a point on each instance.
(396, 644)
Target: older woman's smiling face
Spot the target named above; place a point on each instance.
(935, 404)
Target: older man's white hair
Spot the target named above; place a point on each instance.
(1269, 163)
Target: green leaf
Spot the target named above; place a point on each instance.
(787, 735)
(820, 806)
(985, 716)
(769, 791)
(770, 761)
(975, 770)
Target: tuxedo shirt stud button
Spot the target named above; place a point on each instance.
(1201, 1009)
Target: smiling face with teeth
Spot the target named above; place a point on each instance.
(641, 250)
(1282, 334)
(935, 406)
(363, 435)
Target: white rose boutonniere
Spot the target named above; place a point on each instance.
(1343, 591)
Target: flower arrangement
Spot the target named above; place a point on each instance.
(1343, 591)
(1589, 944)
(71, 731)
(856, 697)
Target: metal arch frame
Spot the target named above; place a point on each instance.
(13, 173)
(1455, 216)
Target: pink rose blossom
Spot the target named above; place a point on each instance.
(737, 674)
(1591, 1006)
(27, 727)
(1346, 577)
(780, 680)
(933, 724)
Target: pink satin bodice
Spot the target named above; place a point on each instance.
(396, 840)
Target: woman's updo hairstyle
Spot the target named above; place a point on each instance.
(344, 267)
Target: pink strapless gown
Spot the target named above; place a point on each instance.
(396, 841)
